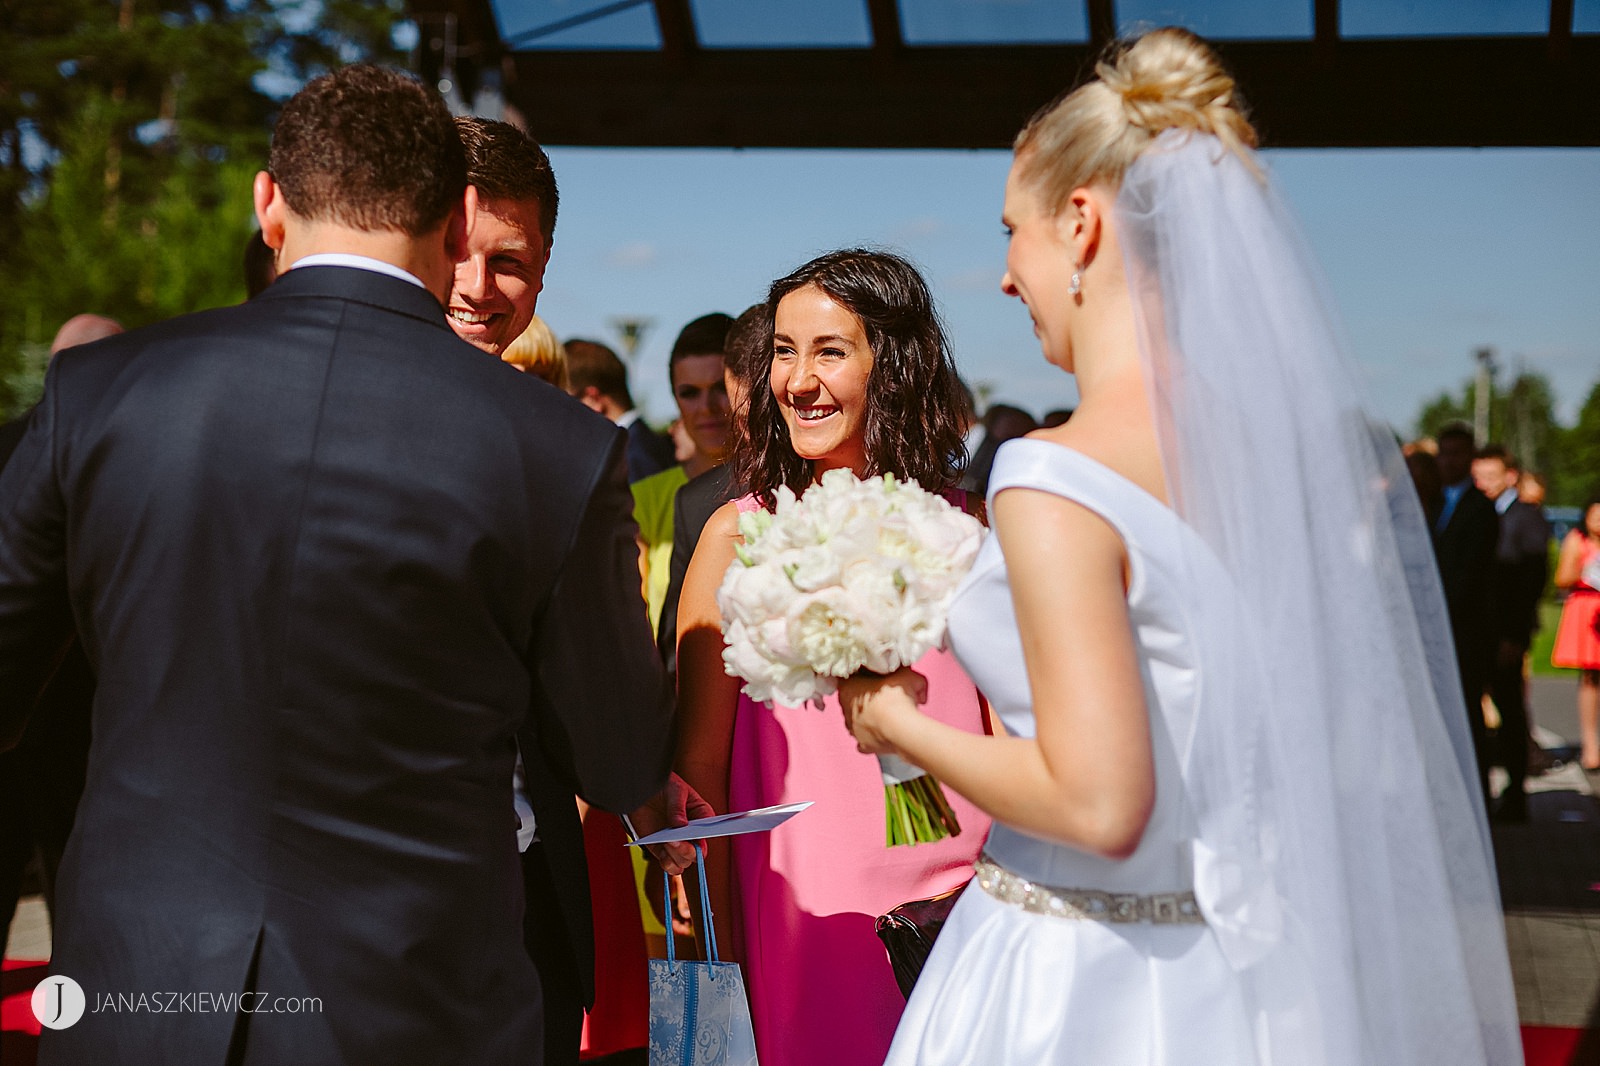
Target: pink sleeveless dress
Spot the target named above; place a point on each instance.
(807, 894)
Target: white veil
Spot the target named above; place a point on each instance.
(1342, 855)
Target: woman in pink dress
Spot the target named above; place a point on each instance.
(1577, 640)
(860, 377)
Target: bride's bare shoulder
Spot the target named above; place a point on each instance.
(1118, 437)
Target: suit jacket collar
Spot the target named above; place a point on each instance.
(362, 286)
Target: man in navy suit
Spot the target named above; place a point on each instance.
(42, 777)
(1516, 581)
(599, 379)
(1465, 535)
(332, 566)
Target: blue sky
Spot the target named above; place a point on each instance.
(1430, 253)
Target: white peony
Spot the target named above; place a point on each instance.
(853, 575)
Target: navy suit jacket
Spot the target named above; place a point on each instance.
(328, 562)
(1521, 569)
(649, 452)
(1465, 550)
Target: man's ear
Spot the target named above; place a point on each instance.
(458, 230)
(271, 209)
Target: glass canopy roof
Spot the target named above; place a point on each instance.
(1228, 20)
(944, 22)
(631, 25)
(1443, 18)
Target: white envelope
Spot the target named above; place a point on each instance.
(727, 825)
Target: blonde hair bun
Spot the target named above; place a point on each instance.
(1171, 79)
(1165, 79)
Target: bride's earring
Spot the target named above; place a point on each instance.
(1075, 283)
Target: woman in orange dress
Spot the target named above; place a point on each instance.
(1577, 640)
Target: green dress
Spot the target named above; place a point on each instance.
(652, 509)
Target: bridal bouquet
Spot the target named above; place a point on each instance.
(854, 576)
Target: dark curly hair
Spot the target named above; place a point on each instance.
(369, 148)
(914, 423)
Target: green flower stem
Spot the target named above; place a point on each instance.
(917, 812)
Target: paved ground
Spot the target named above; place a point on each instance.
(30, 931)
(1549, 880)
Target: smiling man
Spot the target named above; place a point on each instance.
(492, 300)
(497, 285)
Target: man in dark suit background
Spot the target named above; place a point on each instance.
(1516, 581)
(1465, 536)
(598, 378)
(1001, 422)
(41, 778)
(332, 566)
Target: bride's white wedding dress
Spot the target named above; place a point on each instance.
(1006, 984)
(1316, 787)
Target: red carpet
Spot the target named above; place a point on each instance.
(1546, 1045)
(19, 1029)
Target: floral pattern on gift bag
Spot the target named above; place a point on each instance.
(699, 1015)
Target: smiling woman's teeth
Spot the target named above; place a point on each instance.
(469, 317)
(813, 414)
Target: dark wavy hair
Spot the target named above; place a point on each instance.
(914, 423)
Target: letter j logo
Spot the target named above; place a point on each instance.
(58, 1002)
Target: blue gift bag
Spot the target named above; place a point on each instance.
(699, 1015)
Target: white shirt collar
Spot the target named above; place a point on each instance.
(360, 262)
(1503, 502)
(627, 418)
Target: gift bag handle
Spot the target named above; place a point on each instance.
(705, 909)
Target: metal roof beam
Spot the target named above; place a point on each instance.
(1364, 93)
(676, 22)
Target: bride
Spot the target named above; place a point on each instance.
(1235, 815)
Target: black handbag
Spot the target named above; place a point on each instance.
(908, 933)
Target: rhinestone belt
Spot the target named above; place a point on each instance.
(1083, 904)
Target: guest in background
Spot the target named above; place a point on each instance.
(858, 377)
(748, 352)
(536, 351)
(1531, 488)
(1423, 445)
(572, 858)
(695, 369)
(973, 430)
(600, 381)
(1424, 470)
(1001, 422)
(83, 329)
(1466, 534)
(1521, 567)
(1577, 640)
(41, 779)
(260, 265)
